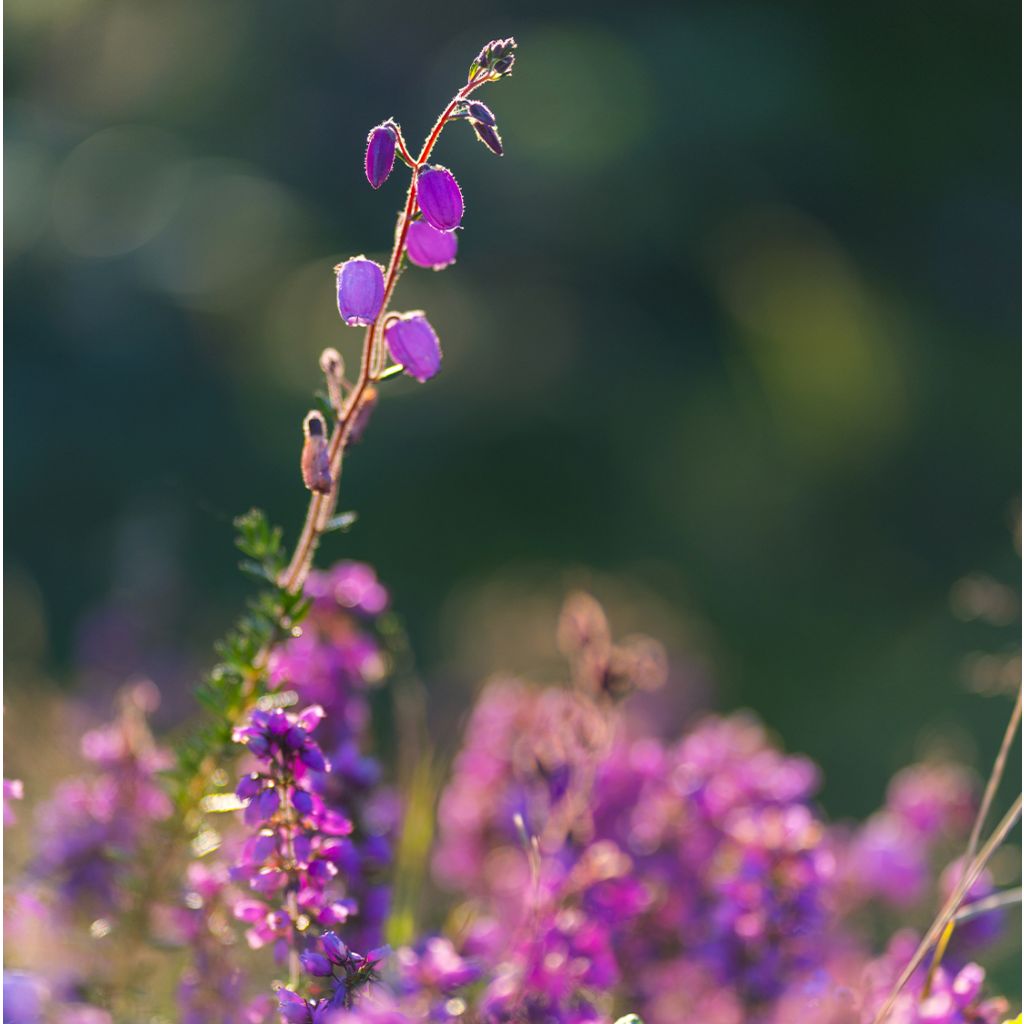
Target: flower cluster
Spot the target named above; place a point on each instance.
(336, 662)
(294, 855)
(695, 879)
(953, 997)
(89, 835)
(706, 852)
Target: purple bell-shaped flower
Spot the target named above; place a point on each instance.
(413, 343)
(440, 197)
(360, 291)
(428, 247)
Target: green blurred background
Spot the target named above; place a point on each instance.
(733, 337)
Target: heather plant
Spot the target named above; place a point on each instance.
(258, 868)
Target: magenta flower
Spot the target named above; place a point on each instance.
(440, 197)
(413, 343)
(360, 291)
(380, 153)
(430, 248)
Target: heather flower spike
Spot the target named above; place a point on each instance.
(440, 197)
(360, 291)
(413, 343)
(430, 248)
(380, 153)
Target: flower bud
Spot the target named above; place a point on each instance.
(489, 136)
(380, 153)
(428, 247)
(316, 462)
(249, 786)
(267, 803)
(360, 290)
(293, 1008)
(334, 947)
(481, 112)
(311, 757)
(316, 964)
(494, 60)
(413, 343)
(440, 197)
(333, 367)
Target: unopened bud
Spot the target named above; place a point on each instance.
(333, 367)
(494, 60)
(489, 136)
(380, 153)
(481, 112)
(316, 463)
(331, 363)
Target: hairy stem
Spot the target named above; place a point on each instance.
(996, 776)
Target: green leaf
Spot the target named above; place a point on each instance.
(344, 522)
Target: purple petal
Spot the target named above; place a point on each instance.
(302, 801)
(311, 756)
(316, 964)
(267, 804)
(249, 786)
(310, 717)
(380, 154)
(440, 197)
(413, 343)
(334, 947)
(360, 291)
(428, 247)
(250, 910)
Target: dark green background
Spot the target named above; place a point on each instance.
(735, 320)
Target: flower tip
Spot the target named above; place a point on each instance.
(380, 153)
